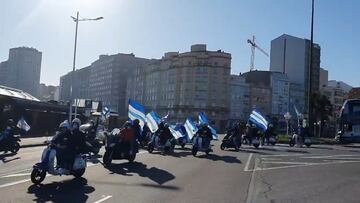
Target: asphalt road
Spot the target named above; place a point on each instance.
(269, 174)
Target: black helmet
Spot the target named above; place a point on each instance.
(136, 121)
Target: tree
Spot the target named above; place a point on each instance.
(322, 108)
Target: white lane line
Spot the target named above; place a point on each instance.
(252, 191)
(103, 199)
(248, 162)
(16, 175)
(14, 183)
(285, 162)
(304, 165)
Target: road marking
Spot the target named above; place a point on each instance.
(26, 180)
(248, 162)
(103, 199)
(15, 175)
(303, 165)
(285, 162)
(14, 183)
(251, 194)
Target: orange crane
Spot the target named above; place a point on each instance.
(253, 46)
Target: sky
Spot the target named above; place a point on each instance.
(149, 28)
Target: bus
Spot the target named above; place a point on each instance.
(349, 121)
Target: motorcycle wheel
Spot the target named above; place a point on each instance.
(256, 145)
(291, 143)
(132, 158)
(207, 152)
(222, 146)
(78, 173)
(150, 148)
(194, 151)
(308, 145)
(182, 146)
(107, 158)
(15, 148)
(37, 176)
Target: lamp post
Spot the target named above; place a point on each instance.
(310, 90)
(76, 20)
(287, 117)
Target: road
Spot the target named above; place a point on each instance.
(270, 174)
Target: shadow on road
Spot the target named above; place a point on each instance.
(74, 190)
(5, 157)
(226, 159)
(155, 174)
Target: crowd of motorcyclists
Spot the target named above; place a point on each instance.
(73, 139)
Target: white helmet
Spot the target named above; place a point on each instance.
(64, 124)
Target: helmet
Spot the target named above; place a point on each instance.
(75, 124)
(136, 121)
(10, 122)
(127, 124)
(64, 125)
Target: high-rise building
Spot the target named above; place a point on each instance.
(80, 84)
(22, 70)
(324, 77)
(269, 92)
(104, 80)
(291, 55)
(240, 108)
(184, 84)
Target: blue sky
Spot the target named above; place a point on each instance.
(149, 28)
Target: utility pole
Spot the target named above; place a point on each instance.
(310, 110)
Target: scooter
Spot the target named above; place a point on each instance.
(117, 150)
(233, 142)
(156, 145)
(11, 143)
(272, 140)
(91, 138)
(255, 141)
(48, 164)
(296, 139)
(182, 142)
(201, 144)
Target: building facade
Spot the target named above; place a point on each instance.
(354, 93)
(337, 92)
(324, 77)
(269, 92)
(22, 70)
(80, 84)
(291, 55)
(240, 108)
(48, 92)
(104, 80)
(184, 84)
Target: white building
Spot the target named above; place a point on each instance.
(280, 93)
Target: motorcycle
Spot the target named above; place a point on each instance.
(233, 142)
(156, 145)
(296, 139)
(91, 138)
(144, 141)
(116, 150)
(49, 165)
(10, 143)
(182, 142)
(272, 140)
(201, 144)
(255, 141)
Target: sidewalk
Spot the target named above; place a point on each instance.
(34, 141)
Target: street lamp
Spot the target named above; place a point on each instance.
(287, 117)
(76, 20)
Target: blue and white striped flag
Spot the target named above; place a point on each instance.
(106, 112)
(190, 127)
(176, 133)
(204, 120)
(153, 121)
(136, 111)
(259, 120)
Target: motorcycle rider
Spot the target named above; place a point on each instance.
(144, 133)
(205, 133)
(268, 133)
(137, 129)
(164, 133)
(127, 134)
(8, 134)
(60, 141)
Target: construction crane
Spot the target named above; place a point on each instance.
(253, 46)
